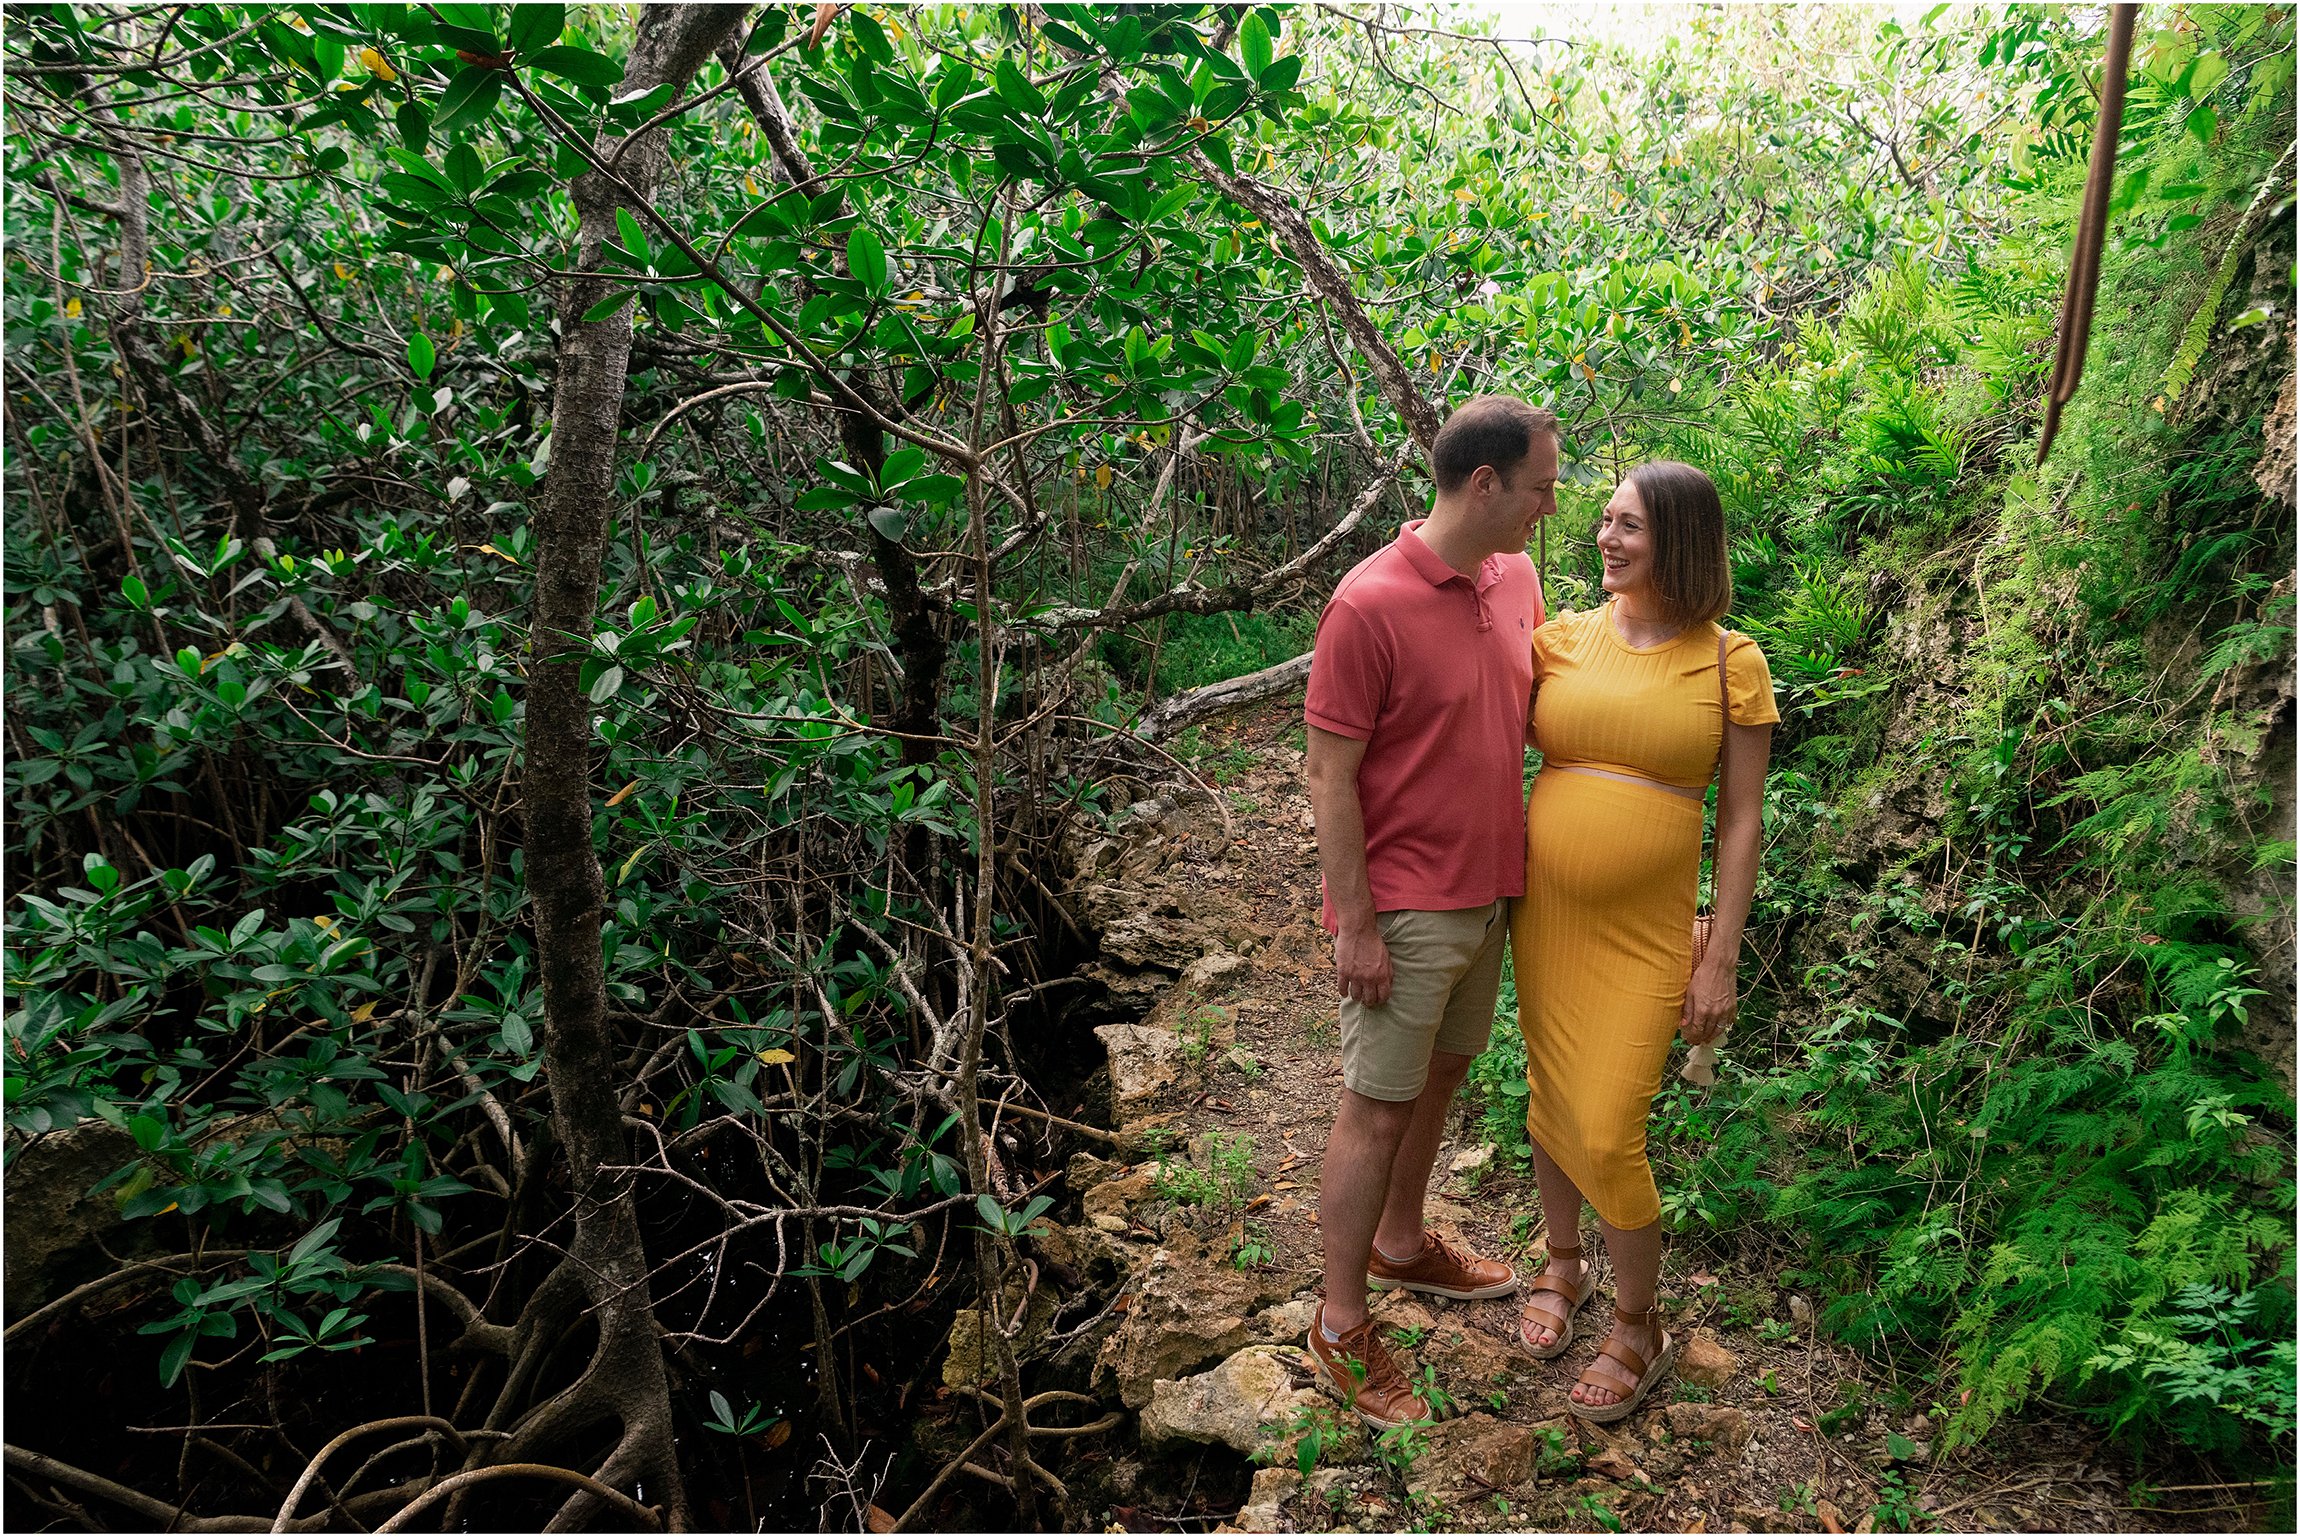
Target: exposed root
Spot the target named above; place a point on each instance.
(455, 1483)
(280, 1523)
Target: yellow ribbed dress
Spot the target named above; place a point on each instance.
(1602, 942)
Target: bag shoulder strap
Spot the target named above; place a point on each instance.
(1724, 703)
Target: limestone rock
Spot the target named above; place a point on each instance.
(971, 1362)
(1106, 1223)
(1287, 1323)
(1705, 1363)
(1264, 1509)
(1800, 1312)
(1475, 1160)
(1727, 1429)
(1144, 1060)
(1476, 1454)
(1246, 1403)
(1115, 1196)
(1612, 1462)
(1399, 1310)
(1473, 1362)
(54, 1226)
(1086, 1170)
(1189, 1309)
(1210, 974)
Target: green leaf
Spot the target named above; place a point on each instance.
(580, 65)
(132, 588)
(604, 687)
(633, 238)
(414, 124)
(2208, 71)
(1281, 75)
(1014, 88)
(891, 522)
(608, 306)
(421, 355)
(469, 97)
(1254, 46)
(871, 36)
(866, 259)
(174, 1358)
(533, 26)
(2203, 123)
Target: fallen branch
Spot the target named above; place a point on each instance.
(1199, 704)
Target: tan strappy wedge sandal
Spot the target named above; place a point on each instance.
(1646, 1373)
(1575, 1297)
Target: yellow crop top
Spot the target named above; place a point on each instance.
(1601, 703)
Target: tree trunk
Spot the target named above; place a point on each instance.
(607, 1259)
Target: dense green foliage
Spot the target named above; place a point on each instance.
(273, 547)
(2024, 855)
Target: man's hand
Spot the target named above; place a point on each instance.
(1362, 965)
(1711, 997)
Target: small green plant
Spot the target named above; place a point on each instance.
(1408, 1336)
(1694, 1393)
(1314, 1431)
(1557, 1453)
(1896, 1508)
(1401, 1446)
(1852, 1403)
(1434, 1393)
(1770, 1382)
(1802, 1500)
(1248, 1065)
(1253, 1249)
(753, 1420)
(1596, 1508)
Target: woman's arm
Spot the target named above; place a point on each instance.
(1714, 992)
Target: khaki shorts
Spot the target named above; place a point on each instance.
(1445, 977)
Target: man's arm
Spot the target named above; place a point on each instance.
(1361, 960)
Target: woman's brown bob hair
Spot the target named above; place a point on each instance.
(1690, 574)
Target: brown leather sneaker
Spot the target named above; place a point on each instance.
(1360, 1370)
(1441, 1270)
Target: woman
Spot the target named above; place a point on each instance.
(1627, 714)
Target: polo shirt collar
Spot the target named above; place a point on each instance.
(1434, 570)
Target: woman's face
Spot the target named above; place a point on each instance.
(1626, 543)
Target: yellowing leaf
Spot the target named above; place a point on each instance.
(1676, 386)
(72, 308)
(377, 65)
(225, 311)
(489, 549)
(342, 273)
(624, 794)
(775, 1056)
(363, 1013)
(624, 874)
(1102, 478)
(751, 186)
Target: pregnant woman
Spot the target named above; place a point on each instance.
(1637, 704)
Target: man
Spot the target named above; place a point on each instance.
(1420, 684)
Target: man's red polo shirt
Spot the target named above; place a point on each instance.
(1434, 673)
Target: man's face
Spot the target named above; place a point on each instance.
(1514, 504)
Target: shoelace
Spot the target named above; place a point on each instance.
(1363, 1346)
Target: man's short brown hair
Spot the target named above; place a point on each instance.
(1691, 574)
(1487, 429)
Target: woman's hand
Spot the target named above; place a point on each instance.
(1711, 997)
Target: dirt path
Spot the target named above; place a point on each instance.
(1767, 1426)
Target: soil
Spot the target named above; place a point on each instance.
(1837, 1441)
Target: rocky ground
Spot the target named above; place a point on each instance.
(1206, 1219)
